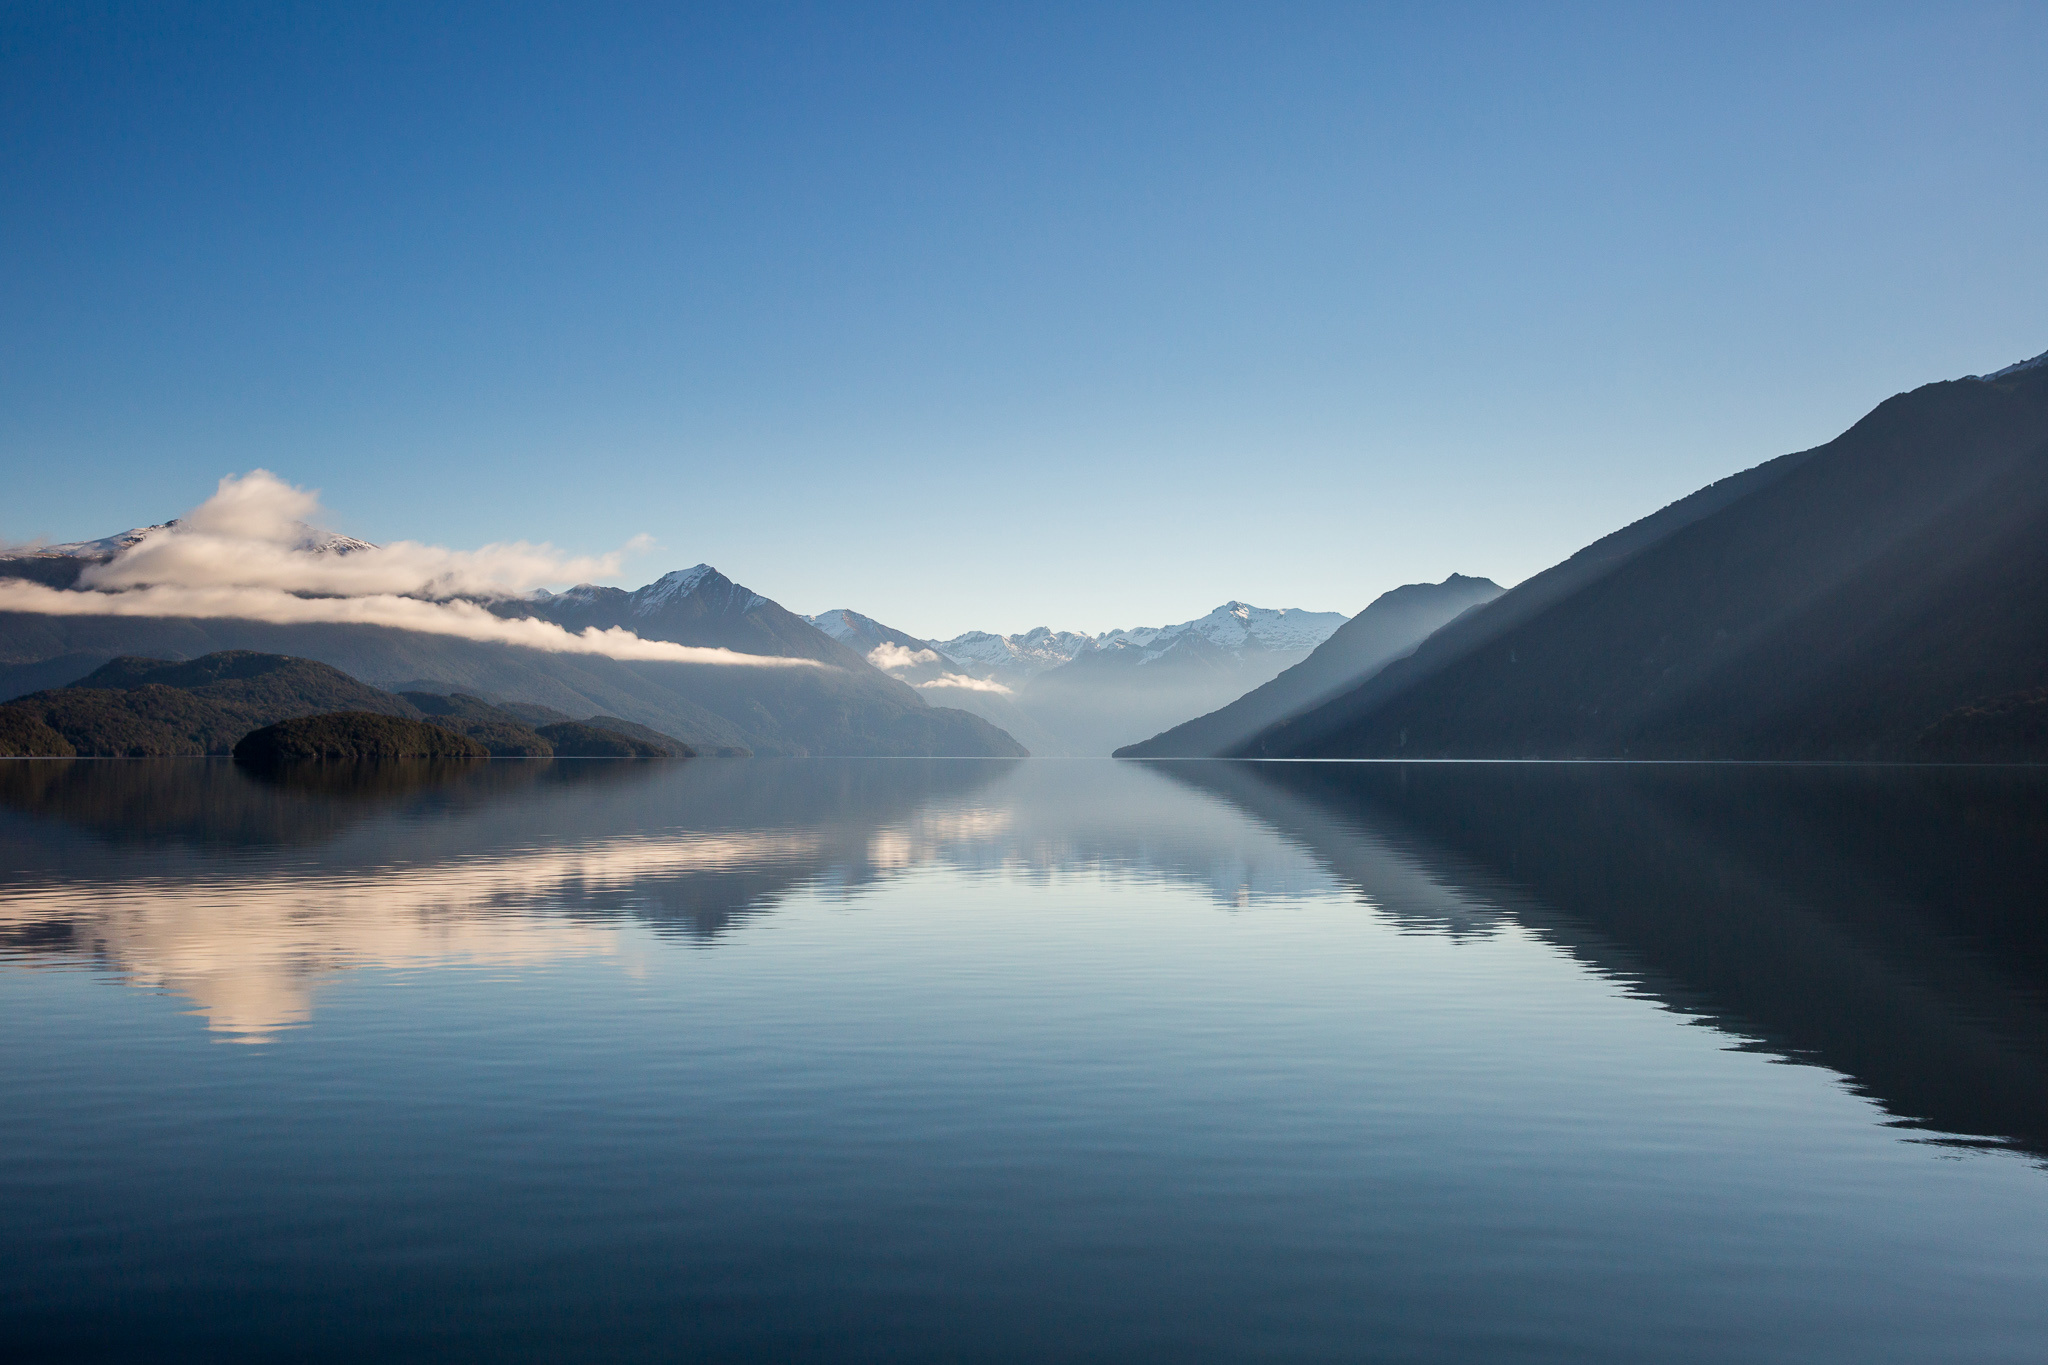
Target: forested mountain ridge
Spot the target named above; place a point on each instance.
(152, 708)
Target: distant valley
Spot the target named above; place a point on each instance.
(1073, 694)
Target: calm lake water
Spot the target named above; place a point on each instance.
(964, 1060)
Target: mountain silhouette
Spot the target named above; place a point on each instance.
(1839, 603)
(1391, 626)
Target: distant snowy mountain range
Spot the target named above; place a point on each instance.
(1069, 692)
(1236, 628)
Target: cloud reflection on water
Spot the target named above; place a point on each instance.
(249, 951)
(222, 905)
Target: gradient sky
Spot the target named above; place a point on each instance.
(996, 316)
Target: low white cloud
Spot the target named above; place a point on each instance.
(257, 531)
(250, 950)
(967, 684)
(252, 552)
(889, 657)
(465, 620)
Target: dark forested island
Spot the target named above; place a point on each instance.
(343, 735)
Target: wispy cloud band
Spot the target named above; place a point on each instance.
(966, 684)
(252, 552)
(465, 620)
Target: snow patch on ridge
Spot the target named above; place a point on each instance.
(106, 547)
(669, 586)
(2036, 363)
(846, 625)
(1235, 627)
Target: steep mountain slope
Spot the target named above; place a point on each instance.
(695, 606)
(846, 707)
(842, 707)
(864, 633)
(1832, 604)
(1392, 626)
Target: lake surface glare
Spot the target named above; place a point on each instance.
(1023, 1060)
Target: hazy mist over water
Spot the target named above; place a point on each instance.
(942, 1059)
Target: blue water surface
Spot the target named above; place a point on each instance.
(1022, 1060)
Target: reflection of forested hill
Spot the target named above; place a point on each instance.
(242, 895)
(754, 828)
(152, 803)
(786, 823)
(1888, 923)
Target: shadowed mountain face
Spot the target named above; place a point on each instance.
(1833, 604)
(1391, 627)
(699, 606)
(1883, 922)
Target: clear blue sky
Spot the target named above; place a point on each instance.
(996, 316)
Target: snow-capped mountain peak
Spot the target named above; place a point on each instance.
(311, 538)
(849, 627)
(1235, 627)
(1238, 628)
(1034, 651)
(680, 583)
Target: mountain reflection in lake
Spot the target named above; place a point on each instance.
(942, 1059)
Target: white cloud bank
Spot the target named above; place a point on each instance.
(252, 552)
(891, 657)
(967, 684)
